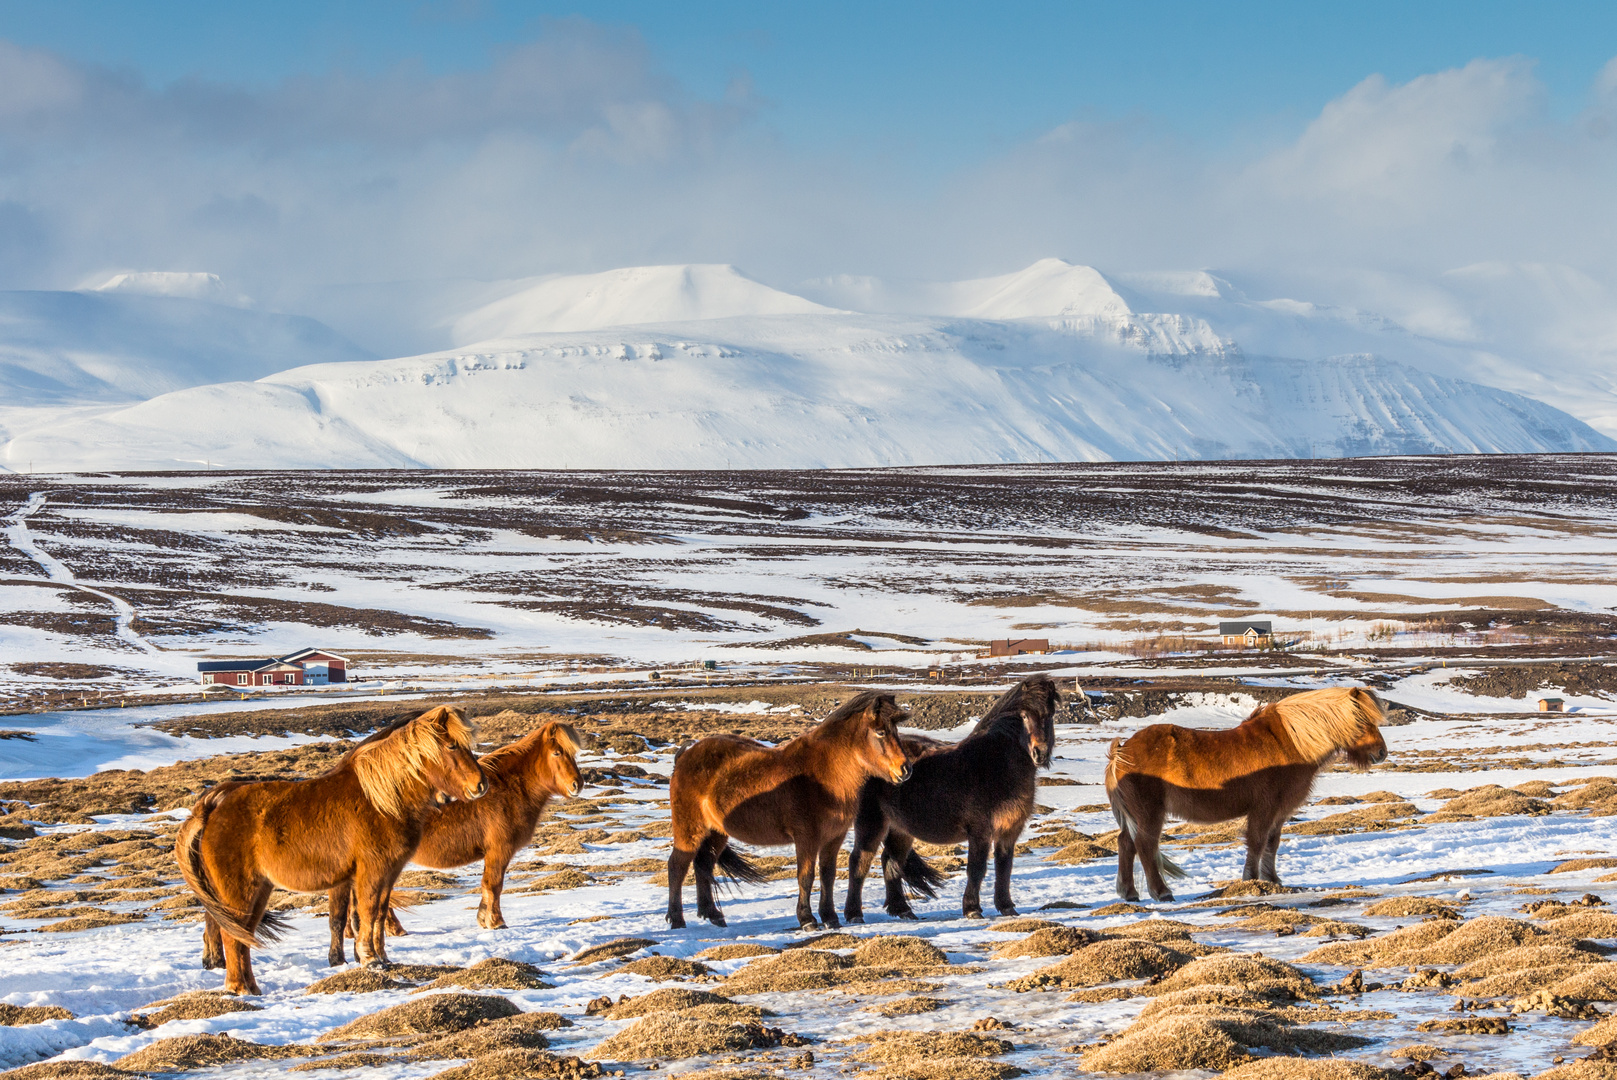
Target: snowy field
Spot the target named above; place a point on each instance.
(119, 585)
(590, 879)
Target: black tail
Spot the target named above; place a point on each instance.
(917, 873)
(737, 867)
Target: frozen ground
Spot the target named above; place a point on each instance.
(1341, 865)
(112, 585)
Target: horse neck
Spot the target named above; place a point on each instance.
(829, 757)
(414, 795)
(1265, 726)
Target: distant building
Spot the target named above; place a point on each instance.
(1018, 646)
(1246, 632)
(1551, 704)
(308, 667)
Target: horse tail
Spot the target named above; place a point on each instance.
(188, 853)
(916, 872)
(1125, 821)
(738, 867)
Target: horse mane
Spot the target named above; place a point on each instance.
(884, 703)
(1035, 694)
(385, 767)
(505, 756)
(1322, 722)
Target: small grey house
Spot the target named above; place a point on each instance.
(1246, 632)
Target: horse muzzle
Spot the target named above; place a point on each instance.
(902, 775)
(479, 791)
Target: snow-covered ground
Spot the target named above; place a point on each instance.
(102, 975)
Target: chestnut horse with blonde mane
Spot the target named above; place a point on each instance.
(356, 824)
(803, 792)
(1262, 769)
(522, 778)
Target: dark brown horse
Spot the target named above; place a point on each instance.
(357, 823)
(522, 778)
(979, 790)
(1262, 770)
(802, 793)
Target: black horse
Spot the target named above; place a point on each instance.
(980, 791)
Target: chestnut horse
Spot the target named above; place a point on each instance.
(803, 792)
(1262, 769)
(522, 777)
(979, 790)
(357, 823)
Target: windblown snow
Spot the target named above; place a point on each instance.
(701, 367)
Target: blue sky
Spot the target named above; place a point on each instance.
(948, 80)
(1343, 152)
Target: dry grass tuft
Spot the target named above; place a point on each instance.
(17, 1015)
(1258, 974)
(435, 1014)
(91, 922)
(360, 1059)
(1021, 926)
(622, 946)
(1421, 1052)
(1400, 907)
(801, 969)
(1589, 1068)
(666, 1036)
(673, 999)
(1490, 800)
(948, 1068)
(662, 968)
(1049, 941)
(495, 973)
(356, 980)
(1081, 851)
(1104, 962)
(1524, 957)
(1101, 994)
(1475, 939)
(1516, 983)
(524, 1031)
(199, 1051)
(1598, 1035)
(737, 951)
(1377, 951)
(1573, 865)
(1596, 982)
(65, 1070)
(1234, 997)
(1292, 1068)
(522, 1065)
(200, 1005)
(906, 1006)
(909, 955)
(904, 1047)
(1208, 1036)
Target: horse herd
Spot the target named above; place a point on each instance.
(417, 792)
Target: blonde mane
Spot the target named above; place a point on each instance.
(499, 759)
(1323, 722)
(388, 765)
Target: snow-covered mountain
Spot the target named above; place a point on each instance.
(124, 344)
(803, 391)
(701, 367)
(628, 297)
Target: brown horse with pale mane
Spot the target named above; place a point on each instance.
(1262, 769)
(803, 792)
(522, 778)
(357, 824)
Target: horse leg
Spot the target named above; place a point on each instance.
(1004, 856)
(976, 867)
(805, 887)
(337, 916)
(679, 861)
(869, 830)
(370, 898)
(238, 957)
(828, 882)
(1257, 838)
(1271, 851)
(895, 852)
(213, 944)
(1147, 843)
(489, 916)
(1125, 866)
(705, 864)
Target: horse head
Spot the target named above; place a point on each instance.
(1038, 710)
(448, 763)
(556, 759)
(1366, 750)
(881, 749)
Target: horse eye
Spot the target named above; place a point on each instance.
(881, 734)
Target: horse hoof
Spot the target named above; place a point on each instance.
(854, 920)
(1007, 912)
(1164, 898)
(717, 920)
(808, 926)
(378, 965)
(676, 922)
(974, 914)
(908, 916)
